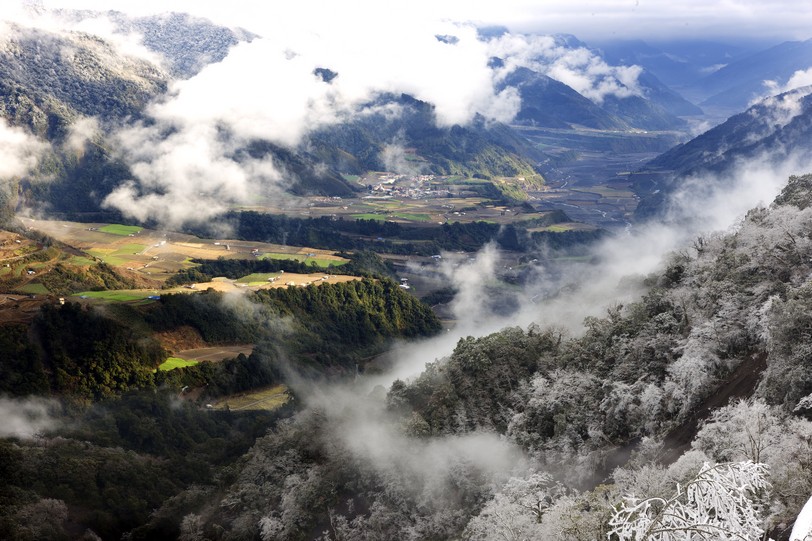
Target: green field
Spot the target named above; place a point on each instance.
(257, 278)
(320, 262)
(370, 216)
(117, 296)
(118, 256)
(175, 362)
(263, 399)
(81, 261)
(412, 217)
(121, 230)
(35, 289)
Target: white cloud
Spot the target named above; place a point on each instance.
(25, 418)
(187, 176)
(19, 151)
(798, 79)
(577, 67)
(267, 89)
(81, 131)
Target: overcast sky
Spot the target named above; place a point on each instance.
(587, 19)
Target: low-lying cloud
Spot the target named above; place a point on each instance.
(187, 155)
(186, 160)
(798, 79)
(25, 418)
(614, 275)
(19, 151)
(577, 67)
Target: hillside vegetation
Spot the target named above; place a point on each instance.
(618, 395)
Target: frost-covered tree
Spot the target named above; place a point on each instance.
(802, 531)
(718, 504)
(753, 430)
(746, 430)
(516, 511)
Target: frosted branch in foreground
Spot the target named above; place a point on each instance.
(717, 504)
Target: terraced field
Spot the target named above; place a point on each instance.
(267, 399)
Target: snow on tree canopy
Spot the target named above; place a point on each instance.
(802, 531)
(717, 504)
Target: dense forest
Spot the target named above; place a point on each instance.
(540, 434)
(390, 237)
(120, 443)
(526, 433)
(92, 354)
(346, 408)
(362, 263)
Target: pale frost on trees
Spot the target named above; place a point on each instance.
(516, 511)
(717, 504)
(802, 531)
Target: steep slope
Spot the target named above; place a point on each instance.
(403, 135)
(642, 113)
(678, 64)
(576, 406)
(188, 43)
(59, 76)
(663, 96)
(657, 104)
(551, 104)
(739, 83)
(772, 130)
(65, 88)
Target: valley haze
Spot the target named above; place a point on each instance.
(367, 271)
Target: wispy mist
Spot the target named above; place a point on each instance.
(25, 418)
(575, 66)
(615, 272)
(19, 151)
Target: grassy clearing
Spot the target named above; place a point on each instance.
(257, 278)
(412, 216)
(121, 230)
(81, 261)
(264, 399)
(557, 228)
(130, 249)
(119, 255)
(370, 216)
(388, 205)
(34, 289)
(5, 270)
(175, 362)
(116, 296)
(320, 262)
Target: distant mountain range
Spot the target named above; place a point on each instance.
(724, 76)
(739, 83)
(551, 104)
(678, 64)
(51, 81)
(773, 130)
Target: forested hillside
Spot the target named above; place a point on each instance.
(774, 131)
(596, 416)
(343, 271)
(121, 442)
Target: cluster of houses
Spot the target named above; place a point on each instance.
(405, 187)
